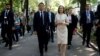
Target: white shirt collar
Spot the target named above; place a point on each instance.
(41, 11)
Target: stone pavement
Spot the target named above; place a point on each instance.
(28, 46)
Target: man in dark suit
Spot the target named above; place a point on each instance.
(98, 27)
(72, 25)
(52, 24)
(41, 26)
(7, 24)
(86, 21)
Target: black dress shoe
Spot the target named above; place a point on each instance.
(10, 48)
(69, 46)
(6, 45)
(3, 41)
(46, 49)
(83, 43)
(52, 41)
(99, 53)
(17, 40)
(88, 46)
(41, 55)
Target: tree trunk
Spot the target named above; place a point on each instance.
(82, 6)
(11, 4)
(27, 10)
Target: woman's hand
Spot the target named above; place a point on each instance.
(63, 23)
(59, 23)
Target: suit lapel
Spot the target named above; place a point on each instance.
(51, 17)
(38, 13)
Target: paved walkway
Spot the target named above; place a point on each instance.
(28, 46)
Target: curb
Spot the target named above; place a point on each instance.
(92, 44)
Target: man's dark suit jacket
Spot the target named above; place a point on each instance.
(83, 19)
(52, 24)
(74, 21)
(38, 23)
(10, 19)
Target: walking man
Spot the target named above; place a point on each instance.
(7, 25)
(41, 24)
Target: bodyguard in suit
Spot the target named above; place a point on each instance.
(52, 24)
(98, 27)
(7, 24)
(72, 25)
(86, 21)
(41, 26)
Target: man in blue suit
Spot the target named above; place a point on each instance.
(52, 23)
(41, 26)
(86, 21)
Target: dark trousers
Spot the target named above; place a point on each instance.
(28, 28)
(23, 30)
(87, 33)
(51, 34)
(16, 32)
(43, 39)
(70, 33)
(6, 33)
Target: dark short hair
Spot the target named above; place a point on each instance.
(63, 9)
(41, 3)
(7, 4)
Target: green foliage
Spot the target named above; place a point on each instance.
(2, 4)
(33, 4)
(16, 5)
(93, 1)
(89, 1)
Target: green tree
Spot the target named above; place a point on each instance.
(11, 3)
(89, 1)
(2, 4)
(17, 5)
(33, 4)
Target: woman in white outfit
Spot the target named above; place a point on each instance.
(62, 32)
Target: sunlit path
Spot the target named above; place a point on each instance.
(28, 46)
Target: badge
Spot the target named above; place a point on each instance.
(5, 17)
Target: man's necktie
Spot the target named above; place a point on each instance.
(42, 17)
